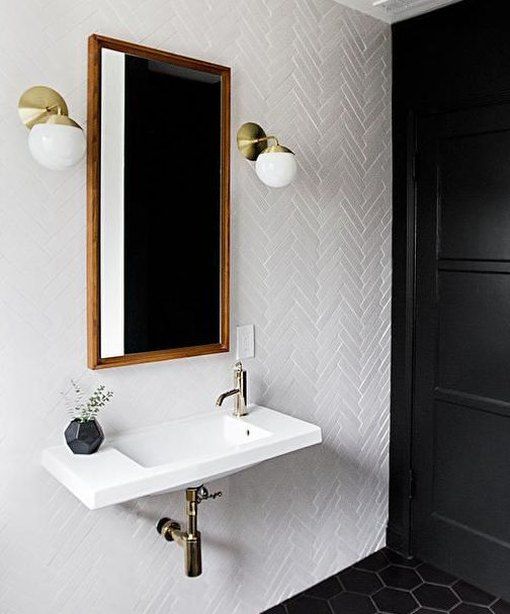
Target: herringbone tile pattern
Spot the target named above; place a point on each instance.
(311, 271)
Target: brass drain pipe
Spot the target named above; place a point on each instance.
(190, 539)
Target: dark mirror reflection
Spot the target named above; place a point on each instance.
(161, 203)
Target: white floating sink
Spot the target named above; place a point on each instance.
(178, 454)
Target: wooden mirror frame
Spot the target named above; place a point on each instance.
(96, 44)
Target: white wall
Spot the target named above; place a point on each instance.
(311, 270)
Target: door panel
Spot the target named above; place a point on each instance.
(466, 467)
(474, 336)
(473, 174)
(461, 412)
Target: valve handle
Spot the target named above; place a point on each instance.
(203, 494)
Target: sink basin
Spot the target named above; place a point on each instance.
(188, 440)
(177, 454)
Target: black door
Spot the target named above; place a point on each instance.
(461, 414)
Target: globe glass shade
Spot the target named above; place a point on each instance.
(55, 146)
(276, 169)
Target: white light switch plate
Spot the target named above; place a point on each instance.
(245, 341)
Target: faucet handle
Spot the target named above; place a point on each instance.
(203, 494)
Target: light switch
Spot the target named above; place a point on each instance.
(245, 341)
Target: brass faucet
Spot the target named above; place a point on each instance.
(190, 539)
(239, 391)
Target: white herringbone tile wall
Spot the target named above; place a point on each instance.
(311, 270)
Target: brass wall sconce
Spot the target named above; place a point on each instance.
(55, 141)
(275, 164)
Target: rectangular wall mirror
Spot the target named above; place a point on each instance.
(158, 205)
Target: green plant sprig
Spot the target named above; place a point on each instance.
(86, 410)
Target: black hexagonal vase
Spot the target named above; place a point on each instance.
(84, 437)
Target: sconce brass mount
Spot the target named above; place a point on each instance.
(42, 105)
(252, 141)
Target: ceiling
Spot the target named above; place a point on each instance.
(391, 11)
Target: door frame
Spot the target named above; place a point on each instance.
(399, 529)
(398, 532)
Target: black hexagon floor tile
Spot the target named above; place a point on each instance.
(439, 597)
(468, 608)
(352, 603)
(435, 576)
(393, 601)
(400, 577)
(306, 605)
(387, 583)
(501, 607)
(374, 562)
(359, 581)
(471, 594)
(325, 589)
